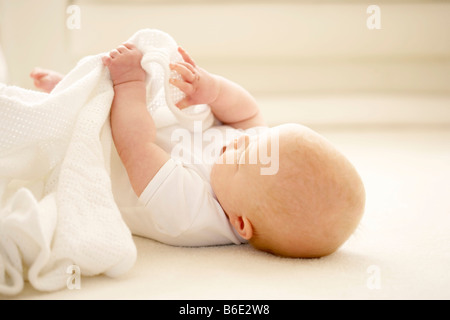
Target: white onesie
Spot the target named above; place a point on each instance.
(179, 207)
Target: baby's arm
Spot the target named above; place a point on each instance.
(132, 126)
(230, 103)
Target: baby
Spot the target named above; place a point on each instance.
(307, 208)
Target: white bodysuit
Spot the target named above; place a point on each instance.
(179, 207)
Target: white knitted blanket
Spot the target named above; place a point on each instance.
(57, 210)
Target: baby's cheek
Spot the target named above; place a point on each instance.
(217, 168)
(214, 171)
(215, 177)
(220, 160)
(220, 173)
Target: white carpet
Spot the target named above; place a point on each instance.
(400, 251)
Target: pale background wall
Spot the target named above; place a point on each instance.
(309, 61)
(3, 68)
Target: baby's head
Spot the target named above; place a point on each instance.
(307, 209)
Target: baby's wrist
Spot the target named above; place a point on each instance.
(128, 83)
(121, 76)
(215, 88)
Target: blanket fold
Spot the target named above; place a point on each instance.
(56, 204)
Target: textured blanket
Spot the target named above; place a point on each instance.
(57, 210)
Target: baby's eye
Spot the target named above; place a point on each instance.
(240, 155)
(242, 142)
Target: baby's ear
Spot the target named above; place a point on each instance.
(243, 226)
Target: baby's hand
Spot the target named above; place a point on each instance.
(199, 85)
(124, 64)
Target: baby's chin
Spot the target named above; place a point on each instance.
(215, 170)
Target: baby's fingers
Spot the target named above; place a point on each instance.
(185, 72)
(186, 56)
(183, 104)
(185, 87)
(106, 60)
